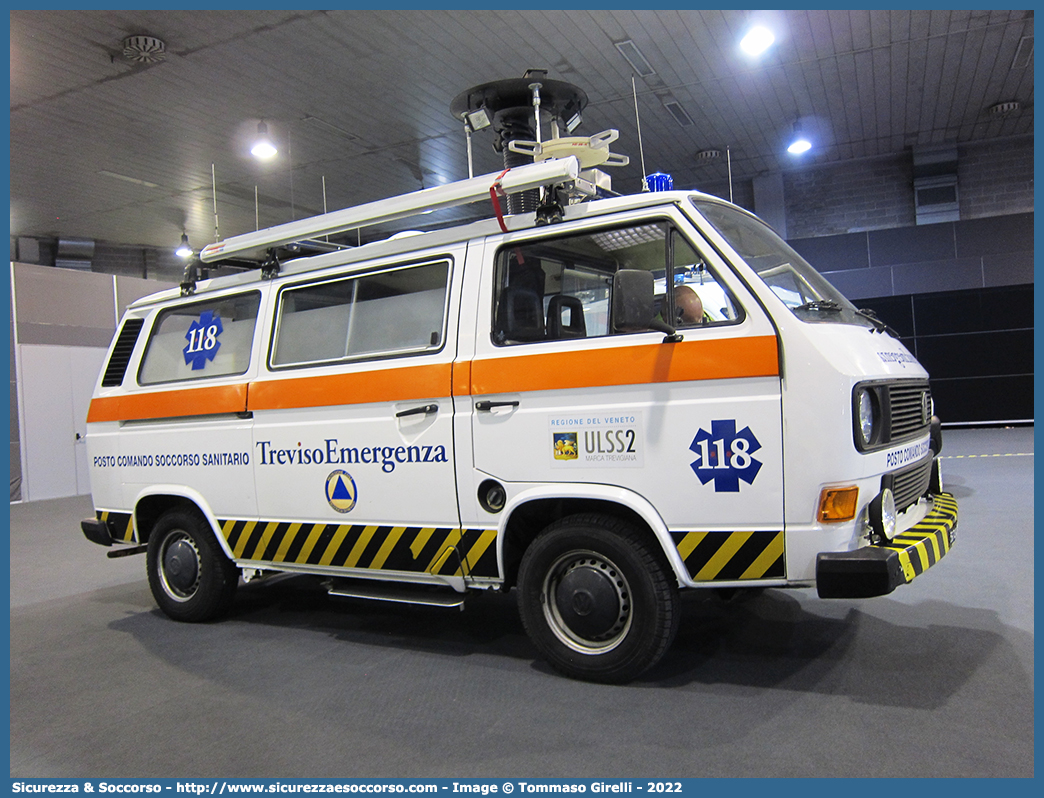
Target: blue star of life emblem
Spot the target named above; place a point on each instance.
(202, 337)
(725, 456)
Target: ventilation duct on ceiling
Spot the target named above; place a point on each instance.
(144, 49)
(639, 63)
(681, 116)
(1024, 54)
(935, 184)
(75, 253)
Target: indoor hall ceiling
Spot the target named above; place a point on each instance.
(106, 149)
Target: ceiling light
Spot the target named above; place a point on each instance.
(799, 146)
(263, 148)
(184, 250)
(757, 40)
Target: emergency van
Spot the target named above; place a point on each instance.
(599, 404)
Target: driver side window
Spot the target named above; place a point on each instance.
(561, 288)
(698, 298)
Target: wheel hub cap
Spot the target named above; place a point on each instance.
(181, 565)
(588, 601)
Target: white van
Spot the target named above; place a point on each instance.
(653, 394)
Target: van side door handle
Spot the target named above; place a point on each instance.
(414, 411)
(486, 406)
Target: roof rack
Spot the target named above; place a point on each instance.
(510, 181)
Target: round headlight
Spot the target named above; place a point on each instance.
(882, 517)
(866, 415)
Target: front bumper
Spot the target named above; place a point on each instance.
(878, 570)
(108, 528)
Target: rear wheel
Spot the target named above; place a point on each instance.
(190, 576)
(598, 602)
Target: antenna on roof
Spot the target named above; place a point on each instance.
(193, 271)
(213, 186)
(324, 199)
(728, 155)
(638, 121)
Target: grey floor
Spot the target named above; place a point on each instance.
(933, 680)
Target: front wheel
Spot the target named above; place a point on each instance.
(190, 576)
(597, 601)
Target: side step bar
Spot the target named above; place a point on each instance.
(126, 551)
(397, 593)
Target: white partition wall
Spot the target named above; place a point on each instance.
(63, 321)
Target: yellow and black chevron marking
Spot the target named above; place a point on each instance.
(443, 551)
(121, 527)
(728, 556)
(925, 543)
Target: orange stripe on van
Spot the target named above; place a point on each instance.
(716, 359)
(379, 385)
(170, 404)
(590, 368)
(462, 378)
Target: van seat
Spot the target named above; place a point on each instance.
(520, 315)
(565, 317)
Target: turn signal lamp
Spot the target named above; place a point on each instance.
(838, 504)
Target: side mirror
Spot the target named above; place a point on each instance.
(633, 303)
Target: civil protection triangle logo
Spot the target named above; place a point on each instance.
(341, 492)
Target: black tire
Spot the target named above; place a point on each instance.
(597, 600)
(190, 576)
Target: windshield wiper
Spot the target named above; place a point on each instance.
(822, 305)
(879, 326)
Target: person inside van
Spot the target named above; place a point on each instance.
(688, 307)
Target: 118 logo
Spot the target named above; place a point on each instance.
(725, 456)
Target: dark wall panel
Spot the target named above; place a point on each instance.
(966, 254)
(978, 354)
(930, 242)
(835, 253)
(994, 235)
(895, 311)
(985, 400)
(977, 346)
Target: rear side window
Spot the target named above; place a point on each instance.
(395, 312)
(205, 339)
(121, 353)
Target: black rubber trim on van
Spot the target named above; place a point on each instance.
(121, 353)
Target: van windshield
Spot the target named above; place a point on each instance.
(801, 288)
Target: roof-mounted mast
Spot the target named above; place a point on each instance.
(515, 108)
(522, 178)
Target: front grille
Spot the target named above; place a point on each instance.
(911, 483)
(902, 411)
(907, 402)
